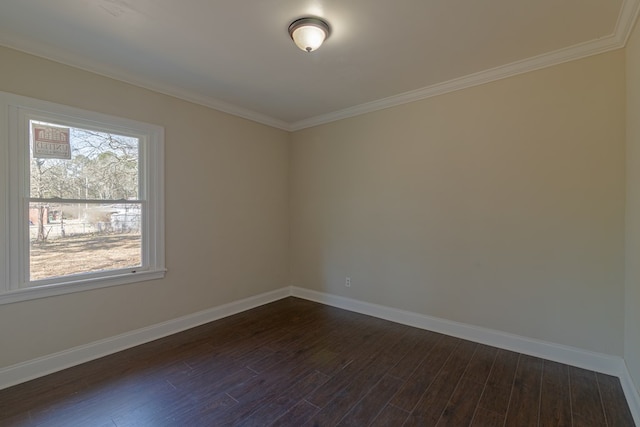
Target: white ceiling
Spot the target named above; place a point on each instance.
(236, 55)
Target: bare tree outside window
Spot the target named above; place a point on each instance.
(85, 211)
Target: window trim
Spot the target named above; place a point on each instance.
(17, 110)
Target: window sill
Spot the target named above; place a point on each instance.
(25, 294)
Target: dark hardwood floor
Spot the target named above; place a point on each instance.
(297, 363)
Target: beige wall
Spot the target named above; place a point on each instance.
(500, 206)
(232, 172)
(632, 265)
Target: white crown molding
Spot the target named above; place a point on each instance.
(626, 20)
(65, 58)
(48, 364)
(519, 67)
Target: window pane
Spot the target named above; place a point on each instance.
(73, 163)
(83, 238)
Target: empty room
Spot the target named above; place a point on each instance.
(319, 213)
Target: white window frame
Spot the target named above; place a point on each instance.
(15, 113)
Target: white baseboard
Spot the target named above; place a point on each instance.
(598, 362)
(559, 353)
(631, 393)
(45, 365)
(607, 364)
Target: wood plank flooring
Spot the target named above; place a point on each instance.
(298, 363)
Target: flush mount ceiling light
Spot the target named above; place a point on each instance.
(309, 33)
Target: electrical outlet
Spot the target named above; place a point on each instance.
(347, 282)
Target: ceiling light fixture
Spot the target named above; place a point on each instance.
(309, 33)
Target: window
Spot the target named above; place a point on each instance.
(82, 200)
